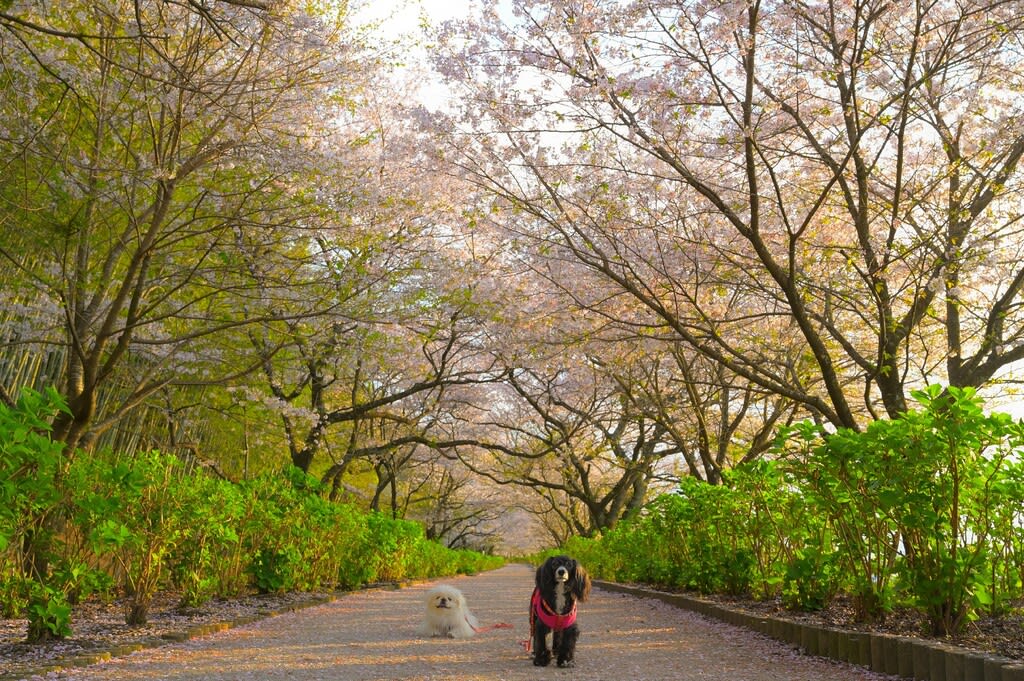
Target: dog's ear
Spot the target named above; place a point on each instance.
(544, 574)
(581, 583)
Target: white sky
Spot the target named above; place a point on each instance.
(404, 20)
(403, 16)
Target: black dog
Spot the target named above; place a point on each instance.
(561, 583)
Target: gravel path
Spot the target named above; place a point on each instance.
(371, 635)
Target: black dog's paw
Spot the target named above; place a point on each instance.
(568, 664)
(542, 659)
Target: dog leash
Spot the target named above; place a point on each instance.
(480, 630)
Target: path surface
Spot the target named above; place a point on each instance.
(371, 636)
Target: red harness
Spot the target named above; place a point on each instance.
(540, 609)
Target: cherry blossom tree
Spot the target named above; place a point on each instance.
(565, 432)
(135, 174)
(365, 380)
(820, 198)
(714, 420)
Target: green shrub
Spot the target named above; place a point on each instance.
(275, 570)
(48, 607)
(844, 483)
(32, 501)
(13, 589)
(810, 579)
(392, 545)
(144, 518)
(207, 560)
(955, 463)
(152, 523)
(918, 498)
(775, 518)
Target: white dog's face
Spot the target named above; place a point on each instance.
(447, 614)
(445, 599)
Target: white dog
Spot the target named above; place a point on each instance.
(447, 614)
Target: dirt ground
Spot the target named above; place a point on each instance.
(371, 635)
